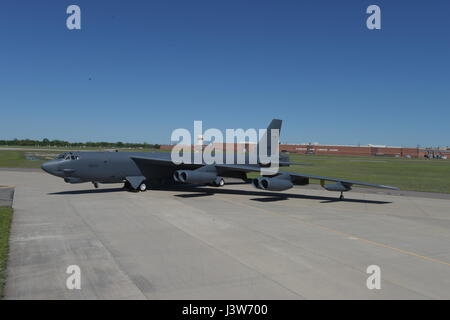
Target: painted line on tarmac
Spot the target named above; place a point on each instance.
(346, 235)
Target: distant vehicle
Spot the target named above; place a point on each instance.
(139, 170)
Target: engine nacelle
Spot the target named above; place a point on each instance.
(193, 176)
(338, 186)
(279, 183)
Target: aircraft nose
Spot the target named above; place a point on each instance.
(44, 166)
(47, 167)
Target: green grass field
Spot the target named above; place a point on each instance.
(17, 159)
(5, 224)
(406, 174)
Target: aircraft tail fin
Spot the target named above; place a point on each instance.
(275, 124)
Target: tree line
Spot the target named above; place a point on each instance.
(60, 143)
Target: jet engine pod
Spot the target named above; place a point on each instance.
(176, 176)
(193, 176)
(73, 180)
(338, 186)
(278, 183)
(257, 183)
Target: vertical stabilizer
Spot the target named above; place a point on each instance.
(274, 124)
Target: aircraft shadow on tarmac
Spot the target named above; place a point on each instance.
(88, 191)
(196, 191)
(264, 196)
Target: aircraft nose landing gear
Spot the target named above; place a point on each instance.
(341, 197)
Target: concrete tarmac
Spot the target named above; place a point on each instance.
(234, 242)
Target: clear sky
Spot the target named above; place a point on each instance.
(139, 69)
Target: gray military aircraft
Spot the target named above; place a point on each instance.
(138, 170)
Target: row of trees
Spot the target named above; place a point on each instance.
(60, 143)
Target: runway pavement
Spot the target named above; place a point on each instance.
(233, 242)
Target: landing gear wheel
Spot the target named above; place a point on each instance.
(341, 196)
(142, 187)
(95, 184)
(219, 182)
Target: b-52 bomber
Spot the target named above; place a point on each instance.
(141, 170)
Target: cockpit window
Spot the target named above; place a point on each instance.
(67, 156)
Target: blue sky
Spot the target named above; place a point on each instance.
(139, 69)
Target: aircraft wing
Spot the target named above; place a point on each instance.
(254, 168)
(167, 162)
(162, 162)
(247, 168)
(344, 181)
